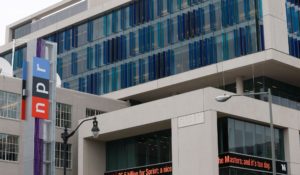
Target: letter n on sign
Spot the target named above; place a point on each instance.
(40, 88)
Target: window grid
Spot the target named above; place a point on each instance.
(9, 147)
(59, 155)
(92, 112)
(9, 105)
(63, 115)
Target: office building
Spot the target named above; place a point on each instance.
(170, 59)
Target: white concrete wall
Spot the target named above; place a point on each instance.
(193, 118)
(275, 25)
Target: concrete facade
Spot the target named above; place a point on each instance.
(78, 101)
(193, 126)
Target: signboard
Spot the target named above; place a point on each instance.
(40, 88)
(250, 162)
(161, 169)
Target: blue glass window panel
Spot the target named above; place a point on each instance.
(242, 41)
(147, 38)
(262, 38)
(60, 44)
(225, 47)
(114, 79)
(89, 62)
(191, 16)
(67, 39)
(225, 17)
(123, 76)
(98, 83)
(212, 17)
(119, 48)
(170, 31)
(172, 62)
(90, 31)
(186, 25)
(159, 69)
(291, 44)
(152, 35)
(115, 22)
(60, 67)
(74, 65)
(131, 14)
(170, 6)
(109, 51)
(112, 50)
(132, 43)
(213, 50)
(296, 49)
(124, 47)
(197, 22)
(81, 86)
(247, 9)
(141, 42)
(66, 85)
(105, 52)
(179, 4)
(105, 81)
(98, 55)
(142, 71)
(236, 11)
(296, 22)
(201, 20)
(237, 46)
(179, 28)
(191, 56)
(75, 37)
(88, 84)
(248, 40)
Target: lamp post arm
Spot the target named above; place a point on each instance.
(74, 131)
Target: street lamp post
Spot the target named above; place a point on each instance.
(66, 135)
(224, 98)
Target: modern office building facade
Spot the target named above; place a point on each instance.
(163, 55)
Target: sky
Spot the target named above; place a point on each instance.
(13, 10)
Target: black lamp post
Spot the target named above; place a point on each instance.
(66, 135)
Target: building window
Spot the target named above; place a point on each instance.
(236, 136)
(143, 150)
(63, 115)
(92, 112)
(9, 147)
(9, 105)
(59, 155)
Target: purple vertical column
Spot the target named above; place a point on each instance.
(38, 129)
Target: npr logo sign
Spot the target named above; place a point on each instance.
(40, 88)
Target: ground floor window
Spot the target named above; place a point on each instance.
(248, 138)
(9, 147)
(245, 148)
(143, 150)
(59, 155)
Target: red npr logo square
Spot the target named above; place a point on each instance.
(40, 108)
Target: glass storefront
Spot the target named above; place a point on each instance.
(245, 148)
(139, 151)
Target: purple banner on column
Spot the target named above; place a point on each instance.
(38, 129)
